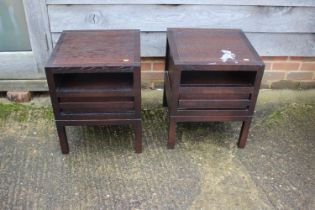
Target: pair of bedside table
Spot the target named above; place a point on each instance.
(211, 75)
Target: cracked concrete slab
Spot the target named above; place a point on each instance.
(276, 170)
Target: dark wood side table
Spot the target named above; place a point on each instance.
(211, 75)
(94, 79)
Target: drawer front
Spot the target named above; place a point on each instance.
(93, 98)
(95, 107)
(204, 91)
(215, 101)
(214, 104)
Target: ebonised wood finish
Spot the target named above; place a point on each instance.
(211, 75)
(94, 79)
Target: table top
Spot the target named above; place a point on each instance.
(97, 48)
(211, 47)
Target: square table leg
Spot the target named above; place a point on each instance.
(171, 134)
(244, 133)
(63, 139)
(138, 136)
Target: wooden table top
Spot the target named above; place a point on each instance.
(97, 48)
(211, 47)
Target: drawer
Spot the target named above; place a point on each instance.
(203, 91)
(96, 107)
(214, 104)
(216, 100)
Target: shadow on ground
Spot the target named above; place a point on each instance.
(276, 170)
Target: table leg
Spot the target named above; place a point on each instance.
(138, 136)
(244, 133)
(63, 139)
(164, 98)
(171, 134)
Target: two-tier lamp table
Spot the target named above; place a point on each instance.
(211, 75)
(94, 79)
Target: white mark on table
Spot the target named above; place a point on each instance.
(227, 54)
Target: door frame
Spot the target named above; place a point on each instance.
(28, 65)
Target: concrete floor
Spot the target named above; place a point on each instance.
(276, 170)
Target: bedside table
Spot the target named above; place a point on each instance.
(211, 75)
(94, 79)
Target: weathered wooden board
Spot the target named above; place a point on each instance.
(283, 44)
(18, 65)
(159, 17)
(38, 27)
(23, 85)
(213, 2)
(153, 44)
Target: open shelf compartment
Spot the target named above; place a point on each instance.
(76, 83)
(218, 78)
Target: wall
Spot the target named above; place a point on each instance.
(282, 31)
(281, 72)
(275, 28)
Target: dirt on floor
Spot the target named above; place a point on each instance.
(276, 170)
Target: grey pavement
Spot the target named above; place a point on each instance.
(206, 170)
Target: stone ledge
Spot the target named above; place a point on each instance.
(23, 85)
(291, 84)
